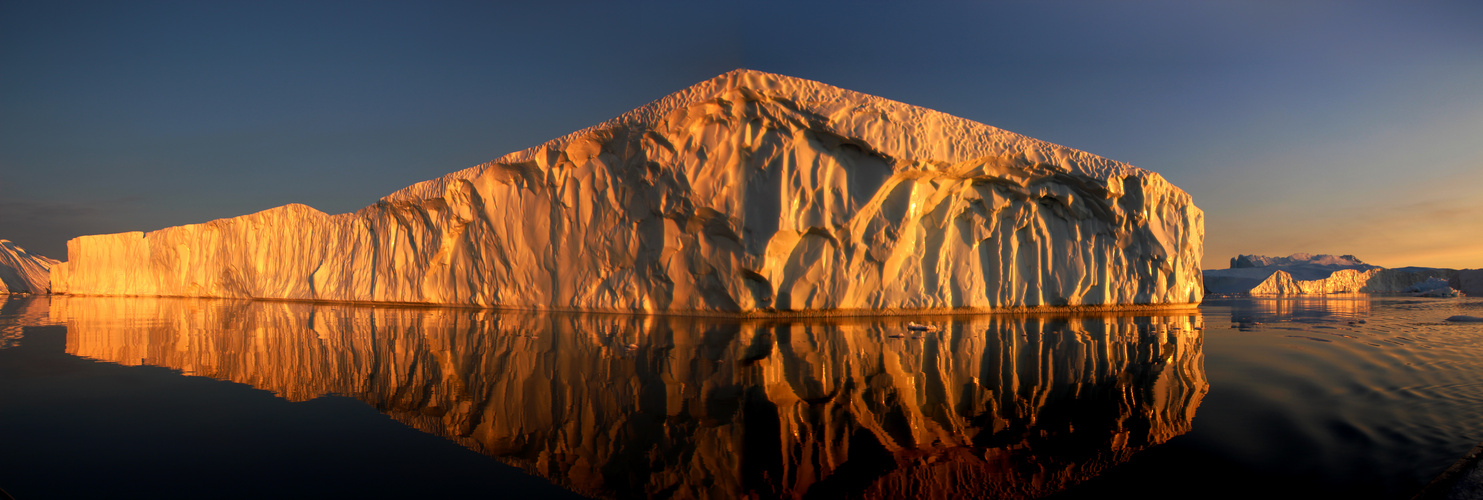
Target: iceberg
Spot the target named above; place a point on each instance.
(1323, 261)
(1432, 287)
(1308, 274)
(747, 193)
(22, 271)
(1341, 281)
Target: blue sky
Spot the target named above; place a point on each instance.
(1322, 127)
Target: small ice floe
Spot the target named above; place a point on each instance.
(631, 347)
(917, 327)
(1465, 319)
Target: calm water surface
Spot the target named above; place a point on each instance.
(186, 398)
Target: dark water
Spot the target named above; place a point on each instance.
(1334, 397)
(183, 398)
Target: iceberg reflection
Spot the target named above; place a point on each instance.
(644, 406)
(1248, 313)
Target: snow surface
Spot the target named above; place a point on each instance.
(750, 192)
(22, 271)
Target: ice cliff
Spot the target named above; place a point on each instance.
(625, 406)
(22, 271)
(1307, 274)
(748, 192)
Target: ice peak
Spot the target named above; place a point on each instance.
(925, 137)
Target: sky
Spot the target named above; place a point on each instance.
(1318, 127)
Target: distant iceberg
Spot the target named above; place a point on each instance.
(1432, 287)
(1306, 274)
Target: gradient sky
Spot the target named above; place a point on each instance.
(1321, 127)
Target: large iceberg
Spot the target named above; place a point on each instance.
(750, 192)
(22, 271)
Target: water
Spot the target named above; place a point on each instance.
(185, 398)
(1337, 396)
